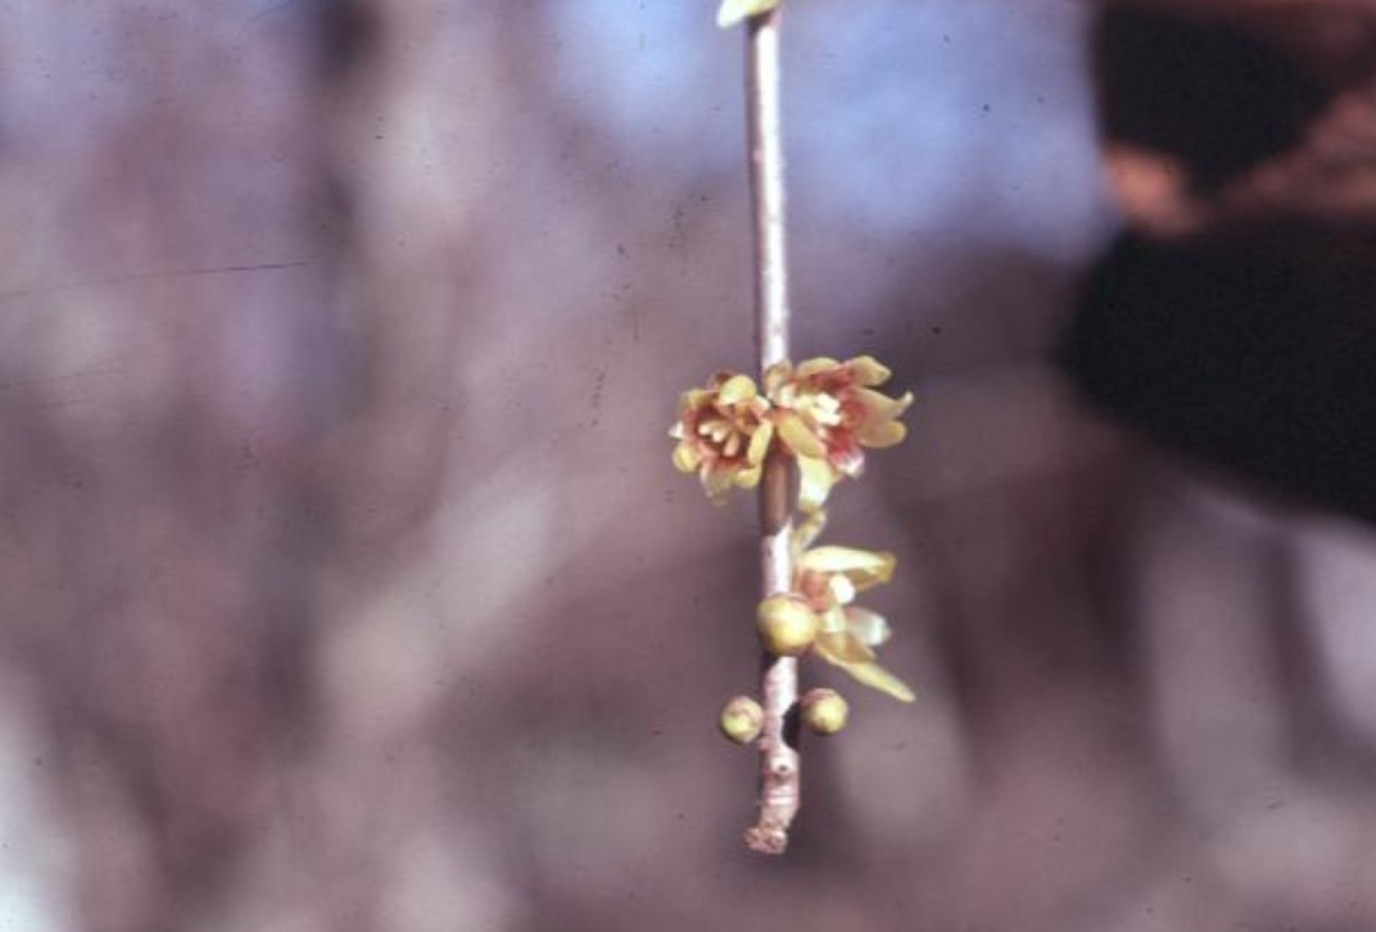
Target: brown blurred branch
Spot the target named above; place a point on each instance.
(779, 762)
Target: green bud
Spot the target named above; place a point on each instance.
(825, 711)
(742, 720)
(787, 625)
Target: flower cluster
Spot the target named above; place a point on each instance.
(820, 616)
(826, 414)
(823, 414)
(723, 434)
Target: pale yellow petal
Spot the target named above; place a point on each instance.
(870, 628)
(759, 444)
(876, 677)
(738, 388)
(796, 436)
(811, 367)
(834, 621)
(694, 398)
(775, 377)
(807, 531)
(859, 661)
(879, 406)
(686, 457)
(842, 648)
(882, 434)
(709, 425)
(815, 479)
(842, 589)
(733, 11)
(749, 477)
(868, 370)
(864, 568)
(868, 579)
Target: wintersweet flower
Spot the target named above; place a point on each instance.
(723, 434)
(828, 579)
(826, 413)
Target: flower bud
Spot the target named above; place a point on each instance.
(787, 626)
(742, 720)
(825, 711)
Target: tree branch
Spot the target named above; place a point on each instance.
(779, 761)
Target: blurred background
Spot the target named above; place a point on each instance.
(346, 583)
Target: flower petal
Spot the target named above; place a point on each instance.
(736, 389)
(709, 425)
(749, 477)
(794, 432)
(859, 661)
(806, 532)
(876, 677)
(833, 622)
(815, 479)
(694, 399)
(868, 370)
(812, 367)
(842, 589)
(882, 434)
(776, 375)
(878, 405)
(842, 648)
(686, 457)
(869, 628)
(864, 568)
(759, 444)
(846, 455)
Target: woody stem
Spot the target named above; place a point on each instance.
(779, 761)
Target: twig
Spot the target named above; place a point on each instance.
(779, 761)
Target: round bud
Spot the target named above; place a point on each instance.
(742, 720)
(825, 711)
(787, 626)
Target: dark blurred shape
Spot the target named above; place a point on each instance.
(1255, 352)
(1203, 91)
(1234, 320)
(349, 29)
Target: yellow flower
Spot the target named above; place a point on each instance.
(826, 412)
(827, 579)
(723, 434)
